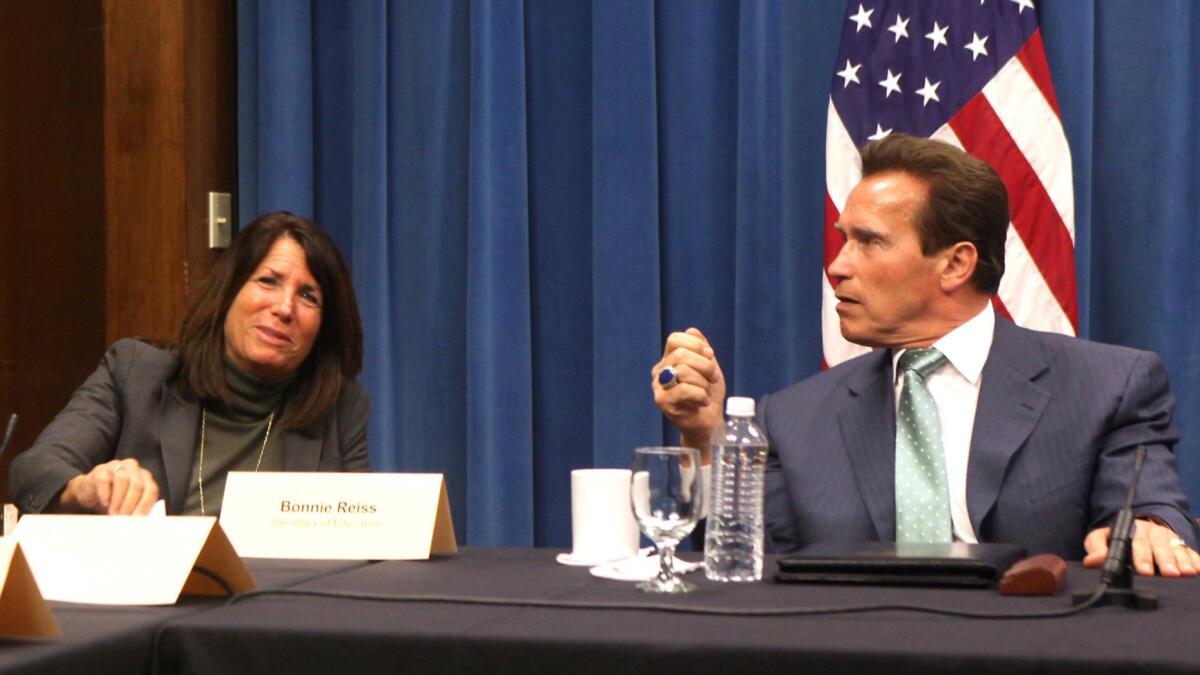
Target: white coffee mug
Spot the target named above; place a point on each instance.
(603, 528)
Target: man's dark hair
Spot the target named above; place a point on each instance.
(336, 355)
(967, 201)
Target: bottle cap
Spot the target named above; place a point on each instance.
(739, 406)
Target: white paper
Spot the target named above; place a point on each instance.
(10, 519)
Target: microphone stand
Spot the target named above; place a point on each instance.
(1116, 576)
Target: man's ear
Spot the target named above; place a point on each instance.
(961, 259)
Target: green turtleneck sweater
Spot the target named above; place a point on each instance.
(232, 437)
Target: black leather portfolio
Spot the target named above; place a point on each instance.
(956, 564)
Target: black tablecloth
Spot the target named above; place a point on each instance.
(273, 633)
(100, 639)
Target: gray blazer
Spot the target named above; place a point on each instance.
(130, 407)
(1051, 451)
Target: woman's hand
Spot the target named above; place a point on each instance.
(120, 487)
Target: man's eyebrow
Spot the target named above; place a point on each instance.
(859, 231)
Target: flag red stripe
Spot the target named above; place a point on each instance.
(1033, 214)
(1000, 308)
(1033, 57)
(833, 238)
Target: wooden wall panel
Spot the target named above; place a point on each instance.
(116, 119)
(145, 168)
(210, 115)
(52, 261)
(169, 139)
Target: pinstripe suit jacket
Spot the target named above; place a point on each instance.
(1051, 450)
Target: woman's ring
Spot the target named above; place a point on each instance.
(118, 468)
(668, 377)
(1177, 542)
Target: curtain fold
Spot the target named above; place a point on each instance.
(625, 296)
(499, 368)
(276, 37)
(559, 106)
(533, 194)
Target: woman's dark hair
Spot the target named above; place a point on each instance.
(336, 355)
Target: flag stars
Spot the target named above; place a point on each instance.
(880, 132)
(891, 83)
(938, 36)
(900, 28)
(1023, 5)
(862, 18)
(977, 46)
(849, 74)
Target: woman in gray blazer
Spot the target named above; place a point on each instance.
(262, 379)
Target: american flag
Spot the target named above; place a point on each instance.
(972, 73)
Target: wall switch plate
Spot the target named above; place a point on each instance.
(220, 219)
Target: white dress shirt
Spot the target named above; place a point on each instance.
(955, 388)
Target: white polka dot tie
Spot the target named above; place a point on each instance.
(922, 499)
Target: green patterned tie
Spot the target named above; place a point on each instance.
(922, 499)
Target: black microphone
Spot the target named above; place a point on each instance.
(1116, 576)
(1119, 552)
(8, 434)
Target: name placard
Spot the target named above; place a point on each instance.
(23, 610)
(337, 516)
(130, 560)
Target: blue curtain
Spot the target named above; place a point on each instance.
(533, 194)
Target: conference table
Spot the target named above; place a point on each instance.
(499, 610)
(100, 639)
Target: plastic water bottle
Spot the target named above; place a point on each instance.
(733, 539)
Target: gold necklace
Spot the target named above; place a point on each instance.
(200, 473)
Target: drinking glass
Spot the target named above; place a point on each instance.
(665, 492)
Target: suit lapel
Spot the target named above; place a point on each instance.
(867, 425)
(1010, 405)
(178, 424)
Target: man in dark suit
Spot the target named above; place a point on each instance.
(1025, 437)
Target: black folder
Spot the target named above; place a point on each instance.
(956, 564)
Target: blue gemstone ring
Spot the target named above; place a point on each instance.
(668, 377)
